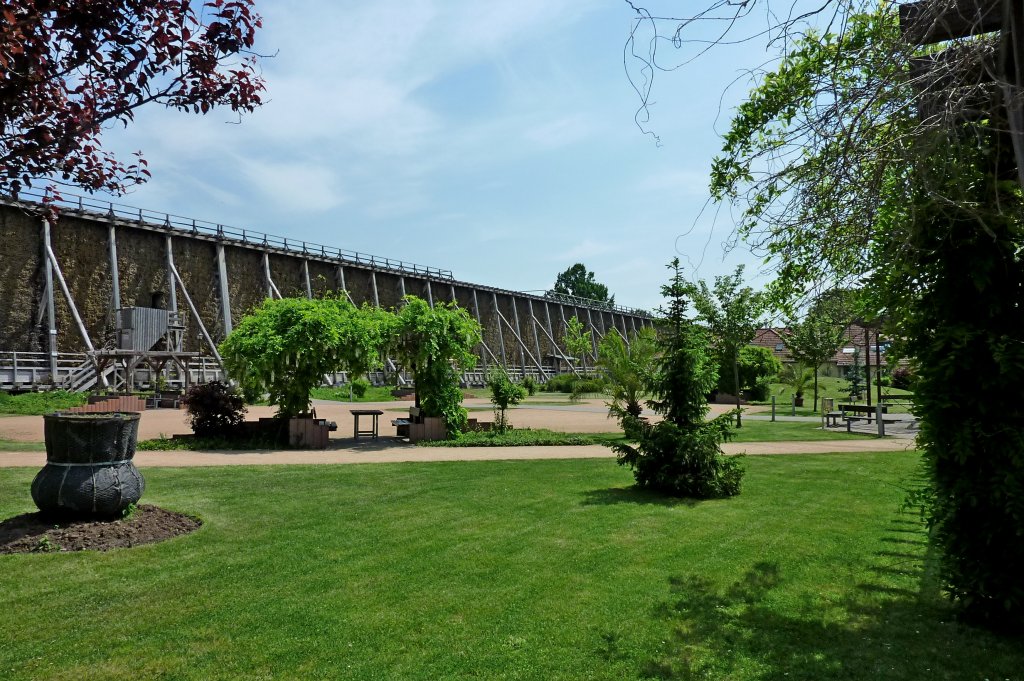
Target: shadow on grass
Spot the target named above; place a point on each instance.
(894, 626)
(632, 495)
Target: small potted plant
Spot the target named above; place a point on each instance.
(797, 376)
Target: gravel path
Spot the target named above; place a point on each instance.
(589, 416)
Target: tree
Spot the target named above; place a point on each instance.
(850, 167)
(504, 393)
(578, 340)
(813, 342)
(732, 313)
(433, 342)
(757, 367)
(628, 369)
(68, 68)
(286, 347)
(578, 281)
(681, 454)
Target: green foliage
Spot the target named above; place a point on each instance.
(758, 366)
(732, 313)
(578, 281)
(684, 463)
(815, 340)
(360, 386)
(681, 455)
(32, 404)
(503, 394)
(241, 441)
(578, 340)
(129, 512)
(855, 375)
(530, 385)
(797, 375)
(341, 394)
(286, 347)
(434, 342)
(628, 370)
(809, 156)
(47, 545)
(517, 437)
(961, 309)
(582, 387)
(845, 175)
(215, 409)
(560, 383)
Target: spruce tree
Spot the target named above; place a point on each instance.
(681, 455)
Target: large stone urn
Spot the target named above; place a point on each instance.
(89, 469)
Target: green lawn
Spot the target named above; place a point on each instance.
(341, 394)
(781, 431)
(752, 431)
(501, 570)
(837, 388)
(30, 404)
(15, 446)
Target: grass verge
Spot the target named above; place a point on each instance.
(17, 446)
(501, 570)
(522, 437)
(752, 431)
(341, 394)
(32, 404)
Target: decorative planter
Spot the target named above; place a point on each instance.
(429, 428)
(799, 400)
(89, 468)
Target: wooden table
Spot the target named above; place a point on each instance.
(374, 431)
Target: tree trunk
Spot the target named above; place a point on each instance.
(815, 390)
(736, 385)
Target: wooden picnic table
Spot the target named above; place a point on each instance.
(374, 431)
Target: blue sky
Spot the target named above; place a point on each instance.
(492, 139)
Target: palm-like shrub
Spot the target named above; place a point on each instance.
(628, 370)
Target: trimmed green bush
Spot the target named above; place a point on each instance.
(360, 386)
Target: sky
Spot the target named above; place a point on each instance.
(496, 140)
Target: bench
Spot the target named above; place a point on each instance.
(401, 426)
(863, 412)
(896, 398)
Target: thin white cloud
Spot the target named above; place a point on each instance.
(588, 248)
(680, 182)
(561, 132)
(294, 186)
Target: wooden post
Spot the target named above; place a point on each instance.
(501, 335)
(225, 294)
(305, 278)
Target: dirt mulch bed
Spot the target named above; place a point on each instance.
(38, 533)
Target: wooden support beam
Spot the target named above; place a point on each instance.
(225, 292)
(936, 21)
(501, 336)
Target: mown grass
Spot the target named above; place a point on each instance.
(522, 437)
(341, 394)
(30, 404)
(752, 431)
(501, 570)
(828, 386)
(17, 446)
